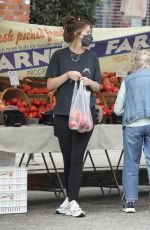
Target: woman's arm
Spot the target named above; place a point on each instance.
(119, 103)
(55, 82)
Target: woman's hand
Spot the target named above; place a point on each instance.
(73, 75)
(86, 81)
(95, 86)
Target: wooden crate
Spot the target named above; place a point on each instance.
(110, 98)
(101, 98)
(39, 82)
(10, 93)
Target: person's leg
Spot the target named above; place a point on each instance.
(64, 135)
(133, 140)
(79, 145)
(147, 149)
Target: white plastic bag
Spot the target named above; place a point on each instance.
(134, 8)
(80, 117)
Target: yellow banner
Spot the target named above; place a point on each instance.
(27, 48)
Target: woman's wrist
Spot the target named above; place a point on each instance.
(67, 75)
(94, 86)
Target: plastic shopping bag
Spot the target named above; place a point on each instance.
(80, 118)
(89, 120)
(134, 8)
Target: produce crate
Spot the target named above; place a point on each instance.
(35, 81)
(4, 83)
(13, 190)
(101, 98)
(37, 91)
(41, 97)
(110, 98)
(7, 159)
(10, 93)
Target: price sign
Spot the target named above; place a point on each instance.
(122, 72)
(14, 80)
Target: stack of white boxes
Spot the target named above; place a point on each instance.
(13, 190)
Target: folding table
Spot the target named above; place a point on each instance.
(41, 139)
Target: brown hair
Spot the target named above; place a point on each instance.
(74, 24)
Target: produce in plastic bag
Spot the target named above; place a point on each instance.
(80, 118)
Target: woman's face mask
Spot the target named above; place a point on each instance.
(87, 40)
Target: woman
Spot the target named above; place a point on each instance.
(67, 65)
(133, 102)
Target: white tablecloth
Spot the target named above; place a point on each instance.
(40, 139)
(106, 137)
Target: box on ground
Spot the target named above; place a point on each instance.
(13, 190)
(7, 159)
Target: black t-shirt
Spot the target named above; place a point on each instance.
(60, 63)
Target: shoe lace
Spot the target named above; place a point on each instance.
(130, 204)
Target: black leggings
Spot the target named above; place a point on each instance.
(73, 145)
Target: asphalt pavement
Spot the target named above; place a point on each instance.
(103, 213)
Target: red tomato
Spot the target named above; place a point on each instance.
(45, 90)
(49, 106)
(14, 101)
(115, 90)
(26, 87)
(33, 114)
(111, 107)
(107, 86)
(33, 108)
(30, 91)
(43, 102)
(73, 124)
(22, 109)
(114, 79)
(35, 91)
(20, 103)
(7, 102)
(36, 102)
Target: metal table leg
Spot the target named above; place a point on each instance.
(22, 157)
(91, 159)
(112, 171)
(48, 172)
(57, 174)
(118, 164)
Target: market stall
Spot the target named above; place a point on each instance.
(105, 137)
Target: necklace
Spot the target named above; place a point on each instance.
(74, 56)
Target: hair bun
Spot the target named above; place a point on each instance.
(71, 19)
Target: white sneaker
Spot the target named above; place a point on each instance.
(63, 208)
(74, 210)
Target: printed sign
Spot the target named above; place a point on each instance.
(27, 48)
(13, 76)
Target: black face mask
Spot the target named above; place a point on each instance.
(87, 39)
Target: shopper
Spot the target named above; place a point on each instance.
(133, 101)
(67, 65)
